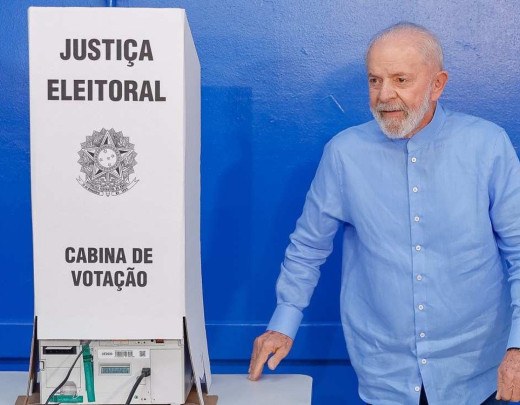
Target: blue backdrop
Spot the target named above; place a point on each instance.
(279, 79)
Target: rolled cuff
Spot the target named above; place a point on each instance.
(286, 319)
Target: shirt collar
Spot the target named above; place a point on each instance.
(427, 134)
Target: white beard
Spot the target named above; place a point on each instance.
(395, 128)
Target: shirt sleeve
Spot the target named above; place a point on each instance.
(310, 245)
(505, 216)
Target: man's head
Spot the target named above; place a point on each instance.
(405, 78)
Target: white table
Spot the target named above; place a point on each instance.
(232, 389)
(286, 389)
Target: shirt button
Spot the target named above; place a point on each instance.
(420, 306)
(417, 388)
(418, 248)
(414, 159)
(424, 361)
(416, 218)
(415, 189)
(422, 334)
(419, 277)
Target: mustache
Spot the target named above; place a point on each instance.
(391, 107)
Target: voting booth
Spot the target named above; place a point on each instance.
(115, 156)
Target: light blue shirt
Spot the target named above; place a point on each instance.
(424, 296)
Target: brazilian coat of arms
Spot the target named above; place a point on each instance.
(107, 160)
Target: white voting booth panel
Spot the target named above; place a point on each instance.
(115, 152)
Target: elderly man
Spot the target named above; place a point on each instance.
(429, 203)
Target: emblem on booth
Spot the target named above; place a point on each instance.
(107, 160)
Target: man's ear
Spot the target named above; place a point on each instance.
(439, 82)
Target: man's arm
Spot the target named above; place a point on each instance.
(311, 243)
(505, 216)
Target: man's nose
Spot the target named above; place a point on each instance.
(387, 92)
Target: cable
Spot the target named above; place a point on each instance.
(65, 379)
(89, 373)
(145, 372)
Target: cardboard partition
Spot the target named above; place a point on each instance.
(115, 176)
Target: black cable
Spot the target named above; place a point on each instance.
(145, 372)
(65, 379)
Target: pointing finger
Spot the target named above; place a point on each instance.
(258, 364)
(254, 355)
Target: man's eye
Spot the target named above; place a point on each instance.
(372, 80)
(401, 80)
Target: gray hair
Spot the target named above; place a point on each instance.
(427, 42)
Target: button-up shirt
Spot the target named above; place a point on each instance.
(426, 221)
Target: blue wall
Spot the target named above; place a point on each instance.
(279, 79)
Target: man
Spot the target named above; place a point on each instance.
(428, 201)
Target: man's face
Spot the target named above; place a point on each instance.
(400, 87)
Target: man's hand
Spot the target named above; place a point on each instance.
(509, 377)
(270, 342)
